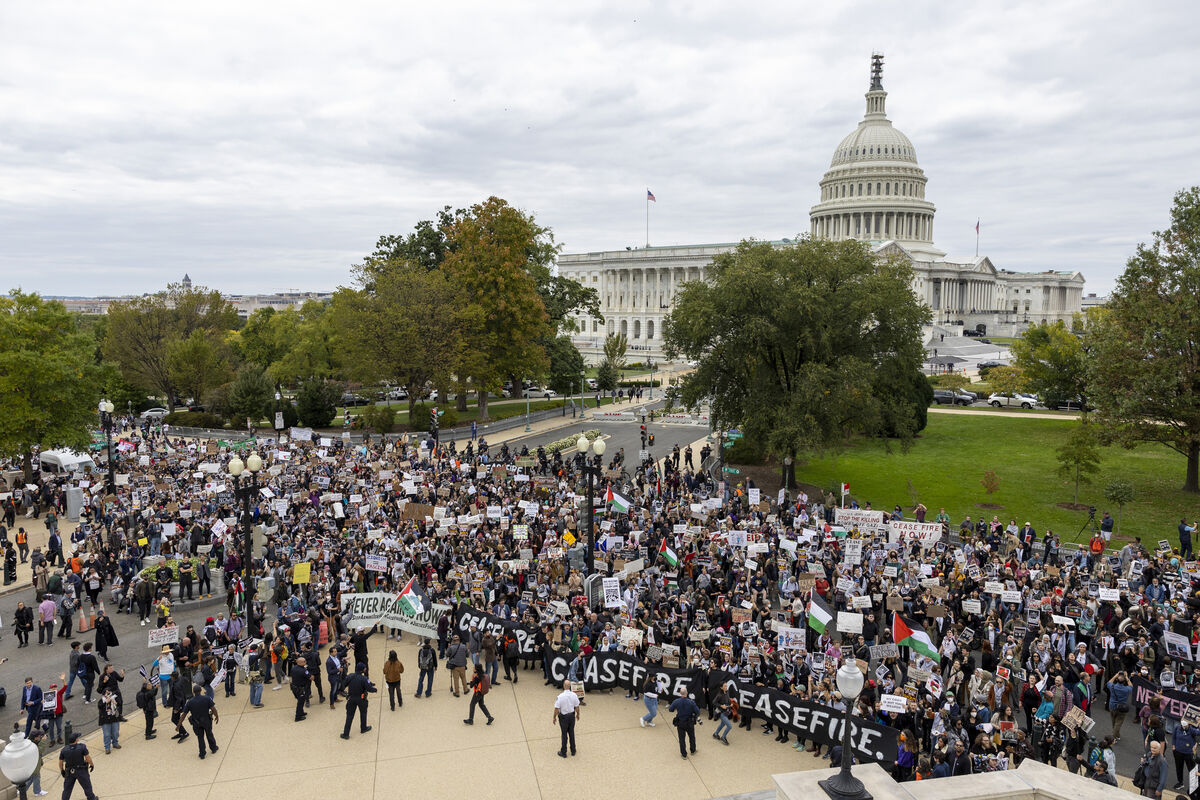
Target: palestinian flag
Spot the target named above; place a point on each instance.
(614, 500)
(668, 554)
(906, 633)
(412, 599)
(819, 614)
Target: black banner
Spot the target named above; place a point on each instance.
(1173, 701)
(615, 670)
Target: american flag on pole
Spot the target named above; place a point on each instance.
(976, 227)
(650, 196)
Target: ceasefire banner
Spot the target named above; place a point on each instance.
(384, 608)
(617, 670)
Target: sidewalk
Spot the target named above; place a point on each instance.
(425, 747)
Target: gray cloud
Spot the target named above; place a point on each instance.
(267, 146)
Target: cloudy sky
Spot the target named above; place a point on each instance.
(265, 146)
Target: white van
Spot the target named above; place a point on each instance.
(64, 462)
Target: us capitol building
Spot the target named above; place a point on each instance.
(874, 191)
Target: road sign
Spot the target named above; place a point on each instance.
(733, 435)
(731, 470)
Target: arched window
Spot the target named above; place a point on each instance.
(860, 189)
(650, 330)
(877, 188)
(637, 329)
(624, 328)
(868, 188)
(887, 188)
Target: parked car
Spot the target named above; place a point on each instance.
(399, 393)
(155, 414)
(1067, 404)
(971, 332)
(352, 399)
(944, 397)
(539, 392)
(985, 340)
(591, 383)
(998, 400)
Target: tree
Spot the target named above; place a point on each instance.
(1079, 457)
(990, 481)
(1122, 493)
(316, 402)
(142, 330)
(197, 363)
(1144, 348)
(497, 254)
(250, 394)
(953, 381)
(381, 419)
(1052, 361)
(405, 324)
(1007, 380)
(48, 378)
(608, 373)
(566, 365)
(803, 345)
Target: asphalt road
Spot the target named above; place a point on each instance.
(45, 664)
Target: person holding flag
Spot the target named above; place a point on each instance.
(906, 633)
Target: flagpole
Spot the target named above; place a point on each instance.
(647, 219)
(977, 238)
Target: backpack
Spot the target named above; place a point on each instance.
(511, 650)
(485, 685)
(66, 605)
(425, 658)
(140, 699)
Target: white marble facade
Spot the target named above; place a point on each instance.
(874, 191)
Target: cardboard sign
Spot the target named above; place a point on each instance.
(849, 622)
(972, 606)
(893, 704)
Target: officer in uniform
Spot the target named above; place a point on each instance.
(201, 711)
(357, 688)
(301, 689)
(74, 764)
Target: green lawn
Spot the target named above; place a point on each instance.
(945, 466)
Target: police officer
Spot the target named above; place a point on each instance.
(357, 688)
(300, 686)
(202, 713)
(686, 712)
(75, 764)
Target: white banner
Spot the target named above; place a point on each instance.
(383, 608)
(865, 521)
(376, 562)
(927, 533)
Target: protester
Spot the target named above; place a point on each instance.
(393, 669)
(480, 686)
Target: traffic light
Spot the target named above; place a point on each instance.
(433, 423)
(643, 437)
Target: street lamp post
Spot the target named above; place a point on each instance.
(844, 786)
(106, 422)
(650, 364)
(246, 489)
(19, 760)
(527, 428)
(592, 471)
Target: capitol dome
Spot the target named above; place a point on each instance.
(874, 189)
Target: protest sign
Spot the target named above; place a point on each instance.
(612, 593)
(849, 622)
(168, 634)
(376, 562)
(893, 703)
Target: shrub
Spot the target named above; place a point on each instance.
(418, 420)
(194, 419)
(381, 419)
(634, 383)
(742, 451)
(316, 402)
(568, 443)
(990, 482)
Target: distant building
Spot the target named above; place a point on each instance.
(874, 191)
(1092, 300)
